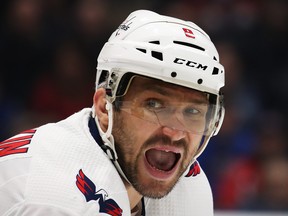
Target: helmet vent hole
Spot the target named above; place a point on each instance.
(141, 50)
(103, 77)
(215, 71)
(199, 81)
(155, 42)
(214, 58)
(173, 74)
(157, 55)
(189, 45)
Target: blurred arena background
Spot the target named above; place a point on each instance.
(48, 58)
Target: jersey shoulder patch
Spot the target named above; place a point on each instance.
(18, 144)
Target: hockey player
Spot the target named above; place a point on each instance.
(156, 105)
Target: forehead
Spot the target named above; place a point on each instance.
(142, 85)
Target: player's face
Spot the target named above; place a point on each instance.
(154, 155)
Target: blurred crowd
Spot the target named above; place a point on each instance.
(48, 59)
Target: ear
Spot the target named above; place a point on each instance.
(99, 102)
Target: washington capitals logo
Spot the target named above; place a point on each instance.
(124, 26)
(193, 170)
(88, 188)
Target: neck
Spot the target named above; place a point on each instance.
(134, 196)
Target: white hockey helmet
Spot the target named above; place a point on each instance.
(164, 48)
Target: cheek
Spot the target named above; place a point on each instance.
(140, 131)
(129, 134)
(195, 141)
(138, 128)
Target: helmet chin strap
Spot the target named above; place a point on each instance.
(108, 139)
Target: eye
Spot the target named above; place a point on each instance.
(153, 104)
(191, 111)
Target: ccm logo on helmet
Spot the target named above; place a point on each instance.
(190, 63)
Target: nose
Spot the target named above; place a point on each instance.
(174, 134)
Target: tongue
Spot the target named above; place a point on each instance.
(161, 160)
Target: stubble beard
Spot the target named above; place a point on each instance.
(124, 142)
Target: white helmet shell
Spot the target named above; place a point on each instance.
(164, 48)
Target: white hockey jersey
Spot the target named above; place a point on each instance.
(59, 169)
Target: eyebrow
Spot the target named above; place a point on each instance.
(164, 92)
(156, 88)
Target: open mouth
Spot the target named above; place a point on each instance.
(162, 160)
